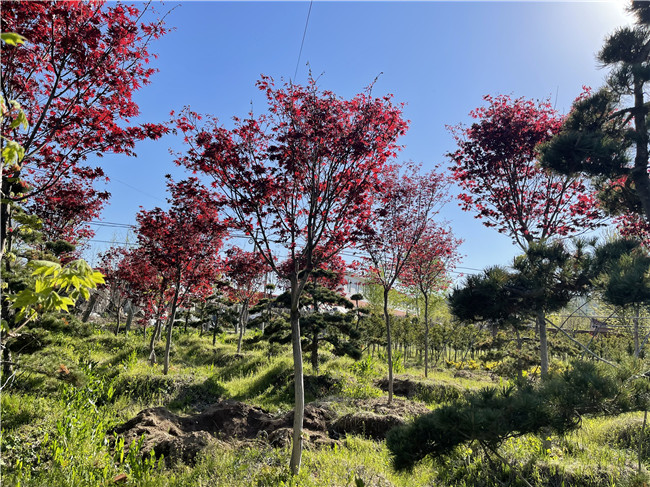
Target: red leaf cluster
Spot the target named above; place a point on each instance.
(496, 167)
(75, 79)
(301, 176)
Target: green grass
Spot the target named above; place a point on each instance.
(55, 424)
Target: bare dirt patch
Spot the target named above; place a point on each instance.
(181, 438)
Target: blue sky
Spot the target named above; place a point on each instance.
(440, 58)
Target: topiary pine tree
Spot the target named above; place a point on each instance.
(604, 127)
(321, 325)
(624, 279)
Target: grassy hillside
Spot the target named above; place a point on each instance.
(77, 382)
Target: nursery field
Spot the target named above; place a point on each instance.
(64, 420)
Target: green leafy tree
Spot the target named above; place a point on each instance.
(490, 416)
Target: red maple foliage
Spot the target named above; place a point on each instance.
(301, 178)
(496, 166)
(66, 210)
(246, 272)
(131, 277)
(182, 244)
(75, 79)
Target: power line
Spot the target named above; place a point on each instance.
(303, 39)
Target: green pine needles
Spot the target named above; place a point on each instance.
(492, 415)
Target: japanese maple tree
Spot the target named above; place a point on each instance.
(66, 210)
(182, 244)
(245, 272)
(299, 178)
(409, 200)
(427, 270)
(75, 79)
(129, 273)
(496, 166)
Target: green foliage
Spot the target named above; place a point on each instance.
(492, 415)
(56, 288)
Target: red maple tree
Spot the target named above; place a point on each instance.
(299, 178)
(182, 244)
(245, 272)
(75, 79)
(496, 167)
(66, 210)
(427, 270)
(408, 202)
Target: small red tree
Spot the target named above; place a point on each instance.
(496, 165)
(246, 272)
(130, 274)
(299, 178)
(427, 270)
(66, 210)
(74, 78)
(401, 216)
(182, 243)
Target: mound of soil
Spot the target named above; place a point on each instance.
(427, 391)
(374, 418)
(183, 437)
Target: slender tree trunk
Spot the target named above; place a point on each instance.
(214, 330)
(129, 319)
(243, 318)
(637, 348)
(426, 334)
(389, 348)
(170, 326)
(520, 367)
(156, 331)
(152, 344)
(314, 350)
(299, 387)
(5, 217)
(543, 342)
(119, 308)
(89, 307)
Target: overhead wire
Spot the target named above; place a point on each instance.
(302, 43)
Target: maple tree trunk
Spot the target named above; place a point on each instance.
(119, 308)
(156, 332)
(214, 330)
(426, 335)
(170, 326)
(314, 351)
(543, 343)
(243, 318)
(389, 348)
(5, 217)
(637, 348)
(299, 389)
(129, 319)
